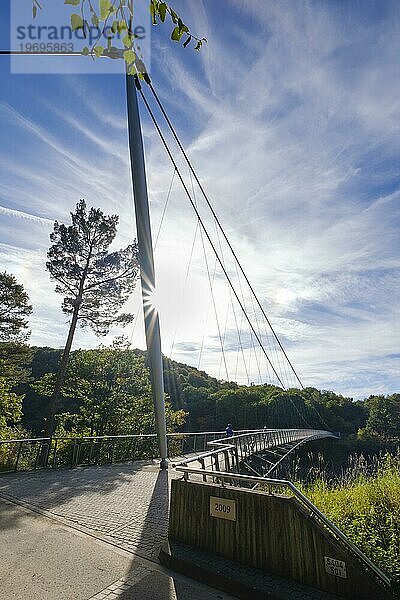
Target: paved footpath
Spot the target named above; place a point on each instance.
(101, 541)
(125, 505)
(94, 533)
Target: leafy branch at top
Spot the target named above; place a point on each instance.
(115, 21)
(160, 10)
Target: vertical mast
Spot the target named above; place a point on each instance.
(146, 260)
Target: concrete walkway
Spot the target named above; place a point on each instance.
(125, 505)
(102, 521)
(96, 533)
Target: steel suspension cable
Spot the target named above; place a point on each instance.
(175, 135)
(230, 298)
(260, 333)
(164, 209)
(251, 336)
(283, 365)
(221, 338)
(185, 283)
(165, 144)
(207, 316)
(211, 284)
(218, 258)
(240, 344)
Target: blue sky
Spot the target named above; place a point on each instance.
(291, 116)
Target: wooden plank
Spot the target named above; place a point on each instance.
(271, 532)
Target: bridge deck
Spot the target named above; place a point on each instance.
(124, 505)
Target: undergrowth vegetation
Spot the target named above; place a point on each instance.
(364, 502)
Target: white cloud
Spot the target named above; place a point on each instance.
(291, 117)
(18, 214)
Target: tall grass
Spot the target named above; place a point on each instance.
(364, 502)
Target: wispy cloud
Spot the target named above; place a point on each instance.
(290, 114)
(298, 159)
(18, 214)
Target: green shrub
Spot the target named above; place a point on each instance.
(367, 509)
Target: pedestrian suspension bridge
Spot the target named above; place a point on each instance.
(230, 499)
(272, 447)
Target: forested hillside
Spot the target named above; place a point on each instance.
(107, 391)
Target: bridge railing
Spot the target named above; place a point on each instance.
(274, 486)
(228, 453)
(263, 439)
(27, 454)
(222, 465)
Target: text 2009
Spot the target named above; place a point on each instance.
(222, 508)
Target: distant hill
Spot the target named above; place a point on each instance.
(210, 404)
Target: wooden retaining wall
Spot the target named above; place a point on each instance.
(270, 532)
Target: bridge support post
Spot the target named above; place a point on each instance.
(146, 261)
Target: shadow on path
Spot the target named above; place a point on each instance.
(71, 492)
(125, 505)
(160, 586)
(154, 518)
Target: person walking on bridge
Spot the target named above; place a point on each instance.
(229, 430)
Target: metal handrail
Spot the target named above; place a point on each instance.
(306, 433)
(28, 453)
(203, 455)
(225, 443)
(129, 435)
(18, 440)
(302, 498)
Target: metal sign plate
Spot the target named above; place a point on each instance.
(335, 567)
(222, 508)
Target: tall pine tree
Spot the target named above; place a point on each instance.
(95, 282)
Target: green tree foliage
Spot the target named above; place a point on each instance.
(95, 282)
(337, 412)
(14, 310)
(15, 360)
(10, 410)
(14, 353)
(211, 404)
(117, 19)
(201, 408)
(110, 388)
(42, 361)
(383, 418)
